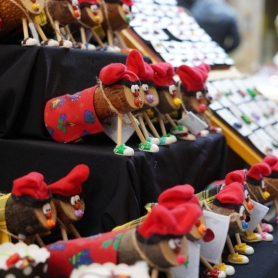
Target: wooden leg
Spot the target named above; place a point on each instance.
(64, 233)
(238, 239)
(206, 263)
(150, 124)
(74, 231)
(39, 240)
(25, 28)
(170, 120)
(83, 35)
(119, 131)
(169, 274)
(230, 245)
(154, 273)
(40, 31)
(162, 126)
(138, 131)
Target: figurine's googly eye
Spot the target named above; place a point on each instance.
(263, 184)
(135, 89)
(94, 8)
(126, 8)
(246, 194)
(241, 212)
(145, 87)
(199, 95)
(72, 200)
(46, 208)
(74, 2)
(172, 89)
(77, 199)
(222, 186)
(172, 243)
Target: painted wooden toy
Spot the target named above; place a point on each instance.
(117, 15)
(28, 210)
(168, 100)
(117, 93)
(61, 13)
(193, 88)
(159, 240)
(259, 193)
(68, 199)
(14, 13)
(144, 71)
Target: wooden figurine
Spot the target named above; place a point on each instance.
(68, 199)
(91, 18)
(194, 93)
(168, 100)
(117, 15)
(61, 13)
(28, 210)
(13, 13)
(144, 71)
(117, 93)
(259, 193)
(159, 240)
(271, 183)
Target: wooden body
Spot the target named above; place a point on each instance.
(12, 12)
(26, 220)
(256, 193)
(89, 18)
(120, 97)
(272, 187)
(194, 233)
(166, 104)
(60, 11)
(158, 255)
(114, 17)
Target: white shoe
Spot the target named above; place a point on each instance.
(65, 44)
(29, 42)
(50, 42)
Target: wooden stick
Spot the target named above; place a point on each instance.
(25, 28)
(238, 239)
(64, 233)
(169, 274)
(119, 131)
(57, 28)
(40, 31)
(230, 245)
(143, 127)
(110, 38)
(83, 35)
(206, 263)
(138, 131)
(276, 205)
(259, 228)
(170, 120)
(162, 126)
(99, 41)
(121, 40)
(150, 124)
(74, 231)
(154, 273)
(39, 240)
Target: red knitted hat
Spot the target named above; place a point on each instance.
(258, 171)
(231, 194)
(31, 185)
(136, 64)
(238, 176)
(163, 74)
(70, 185)
(193, 78)
(272, 161)
(116, 72)
(176, 222)
(127, 2)
(92, 2)
(179, 194)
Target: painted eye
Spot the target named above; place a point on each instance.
(94, 8)
(46, 208)
(172, 243)
(72, 200)
(172, 90)
(222, 186)
(246, 195)
(135, 89)
(199, 95)
(77, 199)
(242, 213)
(263, 184)
(145, 87)
(126, 8)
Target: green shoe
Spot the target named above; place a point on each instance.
(153, 140)
(123, 150)
(148, 147)
(167, 140)
(179, 129)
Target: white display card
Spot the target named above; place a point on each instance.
(191, 268)
(217, 224)
(265, 109)
(268, 141)
(263, 121)
(110, 126)
(259, 143)
(193, 123)
(272, 132)
(259, 212)
(244, 108)
(231, 119)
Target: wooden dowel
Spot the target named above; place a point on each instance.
(154, 273)
(238, 239)
(230, 245)
(138, 131)
(206, 263)
(40, 31)
(162, 126)
(39, 240)
(83, 35)
(25, 28)
(150, 124)
(119, 131)
(64, 233)
(74, 231)
(170, 120)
